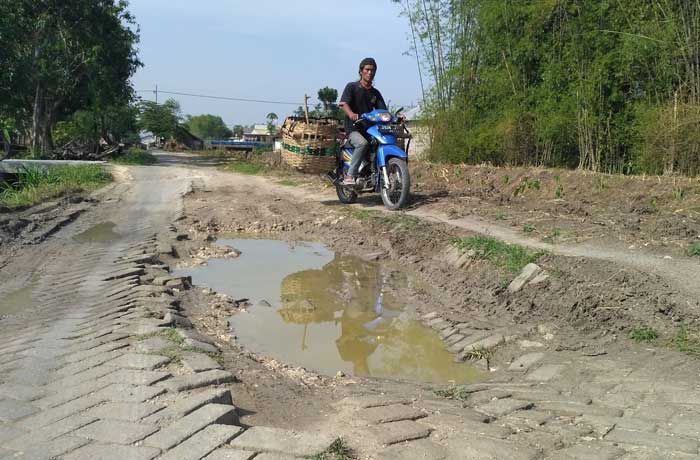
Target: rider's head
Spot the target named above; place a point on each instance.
(368, 68)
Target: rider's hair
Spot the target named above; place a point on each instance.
(368, 61)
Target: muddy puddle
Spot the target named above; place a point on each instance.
(100, 233)
(330, 313)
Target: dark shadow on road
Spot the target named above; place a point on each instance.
(190, 159)
(416, 200)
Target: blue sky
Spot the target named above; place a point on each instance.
(269, 49)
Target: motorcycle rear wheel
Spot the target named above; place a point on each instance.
(396, 194)
(345, 194)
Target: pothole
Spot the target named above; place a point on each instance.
(327, 312)
(100, 233)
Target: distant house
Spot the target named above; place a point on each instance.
(148, 139)
(260, 133)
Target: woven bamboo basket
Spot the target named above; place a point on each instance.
(309, 147)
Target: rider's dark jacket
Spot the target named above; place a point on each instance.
(360, 100)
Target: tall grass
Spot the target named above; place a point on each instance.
(510, 257)
(34, 185)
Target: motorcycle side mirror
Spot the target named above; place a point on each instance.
(399, 111)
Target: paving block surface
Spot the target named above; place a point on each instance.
(276, 440)
(393, 413)
(112, 452)
(182, 429)
(395, 432)
(203, 442)
(116, 432)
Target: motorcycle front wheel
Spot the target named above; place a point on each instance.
(395, 195)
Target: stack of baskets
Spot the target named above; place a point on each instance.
(310, 146)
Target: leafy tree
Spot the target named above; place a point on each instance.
(238, 131)
(271, 117)
(328, 96)
(115, 124)
(606, 86)
(208, 127)
(60, 56)
(160, 119)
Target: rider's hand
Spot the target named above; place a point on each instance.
(402, 117)
(354, 116)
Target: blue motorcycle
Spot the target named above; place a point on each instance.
(384, 169)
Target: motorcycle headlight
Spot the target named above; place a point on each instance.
(385, 117)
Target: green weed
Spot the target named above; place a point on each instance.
(528, 228)
(288, 183)
(687, 343)
(510, 257)
(171, 334)
(500, 215)
(679, 193)
(558, 191)
(477, 353)
(553, 235)
(35, 186)
(338, 450)
(246, 167)
(694, 249)
(454, 392)
(135, 157)
(643, 334)
(505, 180)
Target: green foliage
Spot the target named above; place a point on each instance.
(135, 157)
(687, 342)
(528, 228)
(338, 450)
(208, 127)
(34, 186)
(247, 167)
(238, 131)
(510, 257)
(60, 57)
(115, 123)
(694, 249)
(606, 86)
(643, 334)
(458, 393)
(160, 119)
(679, 193)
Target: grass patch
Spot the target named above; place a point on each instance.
(338, 450)
(135, 157)
(454, 392)
(510, 257)
(687, 343)
(528, 228)
(247, 167)
(643, 334)
(400, 221)
(362, 214)
(288, 183)
(171, 334)
(34, 186)
(694, 249)
(477, 353)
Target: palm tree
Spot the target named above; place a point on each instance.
(271, 117)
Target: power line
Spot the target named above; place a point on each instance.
(222, 98)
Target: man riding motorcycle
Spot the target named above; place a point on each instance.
(359, 97)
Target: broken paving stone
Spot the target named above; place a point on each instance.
(202, 379)
(395, 432)
(199, 362)
(171, 319)
(528, 273)
(546, 372)
(422, 449)
(501, 407)
(151, 345)
(276, 440)
(393, 413)
(139, 361)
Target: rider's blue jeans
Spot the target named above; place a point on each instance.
(361, 146)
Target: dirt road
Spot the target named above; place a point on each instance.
(562, 380)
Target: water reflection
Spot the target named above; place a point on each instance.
(344, 315)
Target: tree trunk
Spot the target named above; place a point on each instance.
(38, 119)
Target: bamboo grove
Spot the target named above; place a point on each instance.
(604, 85)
